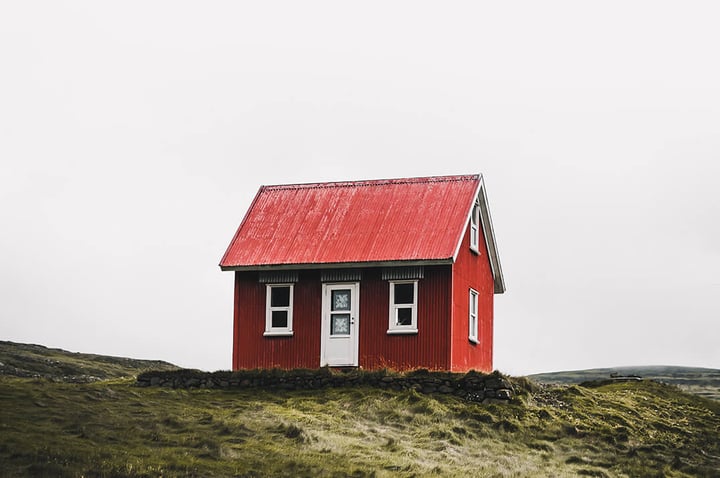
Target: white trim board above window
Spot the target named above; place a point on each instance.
(278, 310)
(403, 307)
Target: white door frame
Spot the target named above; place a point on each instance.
(353, 341)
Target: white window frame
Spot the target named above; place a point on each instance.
(475, 228)
(393, 327)
(278, 331)
(473, 316)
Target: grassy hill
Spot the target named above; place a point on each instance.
(110, 427)
(700, 381)
(36, 361)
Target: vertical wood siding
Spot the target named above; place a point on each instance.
(252, 349)
(429, 348)
(426, 349)
(236, 322)
(472, 270)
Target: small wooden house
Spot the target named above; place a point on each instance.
(395, 273)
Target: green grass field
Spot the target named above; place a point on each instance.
(112, 428)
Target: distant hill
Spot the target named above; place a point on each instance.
(700, 381)
(28, 360)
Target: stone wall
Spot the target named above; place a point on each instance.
(473, 386)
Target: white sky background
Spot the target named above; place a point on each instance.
(134, 135)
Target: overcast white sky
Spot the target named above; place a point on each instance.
(133, 136)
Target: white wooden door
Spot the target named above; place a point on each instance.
(340, 321)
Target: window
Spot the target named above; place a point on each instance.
(278, 310)
(475, 228)
(403, 307)
(473, 317)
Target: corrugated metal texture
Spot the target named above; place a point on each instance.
(472, 270)
(340, 275)
(253, 350)
(364, 221)
(278, 277)
(401, 273)
(429, 348)
(236, 320)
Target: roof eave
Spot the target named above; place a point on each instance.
(489, 235)
(339, 265)
(237, 231)
(490, 243)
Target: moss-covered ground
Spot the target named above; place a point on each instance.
(113, 428)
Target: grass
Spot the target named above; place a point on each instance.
(56, 426)
(112, 428)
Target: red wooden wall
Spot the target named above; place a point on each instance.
(426, 349)
(429, 348)
(472, 270)
(252, 350)
(437, 345)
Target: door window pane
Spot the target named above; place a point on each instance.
(341, 299)
(340, 324)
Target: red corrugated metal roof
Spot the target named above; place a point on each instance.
(412, 219)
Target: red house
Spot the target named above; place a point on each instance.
(396, 273)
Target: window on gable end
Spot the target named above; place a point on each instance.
(279, 309)
(473, 317)
(403, 307)
(475, 228)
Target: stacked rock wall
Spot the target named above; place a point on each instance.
(471, 386)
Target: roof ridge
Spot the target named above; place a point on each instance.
(374, 182)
